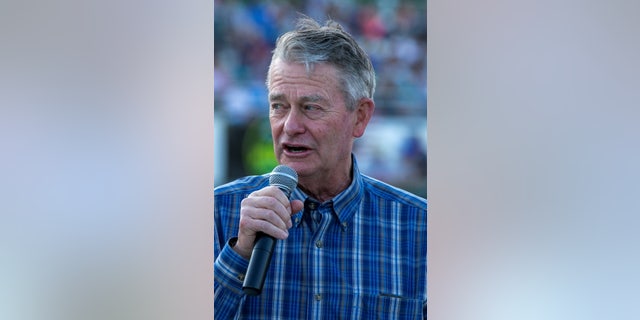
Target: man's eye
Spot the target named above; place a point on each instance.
(310, 107)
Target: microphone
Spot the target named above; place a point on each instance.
(286, 179)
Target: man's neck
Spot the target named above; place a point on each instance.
(322, 194)
(327, 187)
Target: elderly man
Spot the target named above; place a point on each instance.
(349, 246)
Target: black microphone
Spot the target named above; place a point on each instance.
(286, 179)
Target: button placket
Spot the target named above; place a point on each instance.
(310, 212)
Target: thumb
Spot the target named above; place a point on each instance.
(296, 205)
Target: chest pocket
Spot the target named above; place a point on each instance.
(367, 306)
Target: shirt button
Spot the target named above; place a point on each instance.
(241, 277)
(318, 297)
(311, 204)
(319, 244)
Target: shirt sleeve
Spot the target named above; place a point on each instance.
(228, 269)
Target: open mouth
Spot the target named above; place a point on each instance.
(295, 149)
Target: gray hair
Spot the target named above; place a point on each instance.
(311, 43)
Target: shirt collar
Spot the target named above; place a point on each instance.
(345, 204)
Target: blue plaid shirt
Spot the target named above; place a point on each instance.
(367, 258)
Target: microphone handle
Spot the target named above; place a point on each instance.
(258, 264)
(260, 259)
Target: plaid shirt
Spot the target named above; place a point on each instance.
(367, 258)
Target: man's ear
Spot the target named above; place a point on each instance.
(364, 111)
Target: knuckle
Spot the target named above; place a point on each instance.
(244, 223)
(246, 201)
(273, 202)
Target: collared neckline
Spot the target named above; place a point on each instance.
(344, 205)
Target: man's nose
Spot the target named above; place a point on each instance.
(294, 123)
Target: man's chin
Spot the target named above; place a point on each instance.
(302, 168)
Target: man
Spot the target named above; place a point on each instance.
(349, 246)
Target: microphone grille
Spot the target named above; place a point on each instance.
(284, 178)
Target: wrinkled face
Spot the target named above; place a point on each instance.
(312, 129)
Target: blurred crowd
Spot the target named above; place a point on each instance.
(393, 33)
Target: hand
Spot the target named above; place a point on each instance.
(267, 210)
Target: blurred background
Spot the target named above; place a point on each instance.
(105, 133)
(393, 33)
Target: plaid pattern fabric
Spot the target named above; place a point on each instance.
(367, 258)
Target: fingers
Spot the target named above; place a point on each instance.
(258, 218)
(271, 205)
(267, 210)
(296, 205)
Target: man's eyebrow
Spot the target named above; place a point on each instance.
(276, 96)
(309, 98)
(312, 98)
